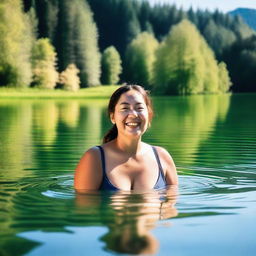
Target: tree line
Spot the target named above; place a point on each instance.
(79, 43)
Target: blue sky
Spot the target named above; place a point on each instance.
(222, 5)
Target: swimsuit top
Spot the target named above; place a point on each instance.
(107, 185)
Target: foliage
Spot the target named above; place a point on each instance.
(185, 64)
(224, 79)
(71, 29)
(79, 45)
(120, 22)
(140, 56)
(218, 37)
(44, 64)
(117, 22)
(69, 78)
(241, 63)
(111, 66)
(15, 44)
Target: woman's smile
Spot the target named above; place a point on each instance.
(133, 124)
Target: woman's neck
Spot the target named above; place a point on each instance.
(130, 146)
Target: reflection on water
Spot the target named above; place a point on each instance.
(212, 140)
(130, 217)
(186, 122)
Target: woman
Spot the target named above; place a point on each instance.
(124, 162)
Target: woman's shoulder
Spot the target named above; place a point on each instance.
(91, 152)
(90, 159)
(88, 174)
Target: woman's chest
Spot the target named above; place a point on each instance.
(133, 173)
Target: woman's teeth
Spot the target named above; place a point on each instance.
(132, 124)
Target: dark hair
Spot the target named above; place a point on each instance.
(112, 133)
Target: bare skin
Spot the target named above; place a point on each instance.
(130, 163)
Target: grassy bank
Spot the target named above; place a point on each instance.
(100, 92)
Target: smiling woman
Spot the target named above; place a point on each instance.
(124, 162)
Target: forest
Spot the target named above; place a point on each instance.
(76, 44)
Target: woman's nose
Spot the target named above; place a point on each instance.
(133, 112)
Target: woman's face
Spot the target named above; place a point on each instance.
(131, 114)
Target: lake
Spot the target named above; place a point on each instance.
(212, 140)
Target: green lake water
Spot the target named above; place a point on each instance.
(212, 140)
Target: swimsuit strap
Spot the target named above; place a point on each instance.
(158, 162)
(106, 183)
(102, 160)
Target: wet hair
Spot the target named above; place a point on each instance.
(112, 133)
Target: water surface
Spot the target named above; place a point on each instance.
(212, 140)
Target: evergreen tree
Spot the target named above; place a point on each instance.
(47, 14)
(78, 41)
(111, 66)
(163, 17)
(15, 42)
(121, 24)
(218, 37)
(140, 56)
(144, 17)
(241, 62)
(44, 64)
(128, 24)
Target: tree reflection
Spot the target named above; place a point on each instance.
(45, 116)
(69, 112)
(183, 123)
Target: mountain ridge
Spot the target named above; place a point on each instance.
(247, 14)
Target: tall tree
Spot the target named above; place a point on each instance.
(111, 66)
(44, 64)
(15, 43)
(121, 24)
(140, 56)
(78, 41)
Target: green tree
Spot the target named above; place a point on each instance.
(119, 26)
(218, 37)
(44, 64)
(185, 64)
(78, 41)
(69, 78)
(140, 56)
(224, 79)
(111, 66)
(241, 61)
(15, 44)
(210, 74)
(179, 65)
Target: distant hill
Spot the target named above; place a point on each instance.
(248, 15)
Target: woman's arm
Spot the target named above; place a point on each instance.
(88, 174)
(168, 166)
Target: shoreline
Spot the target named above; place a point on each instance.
(99, 92)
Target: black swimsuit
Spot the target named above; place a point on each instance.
(107, 185)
